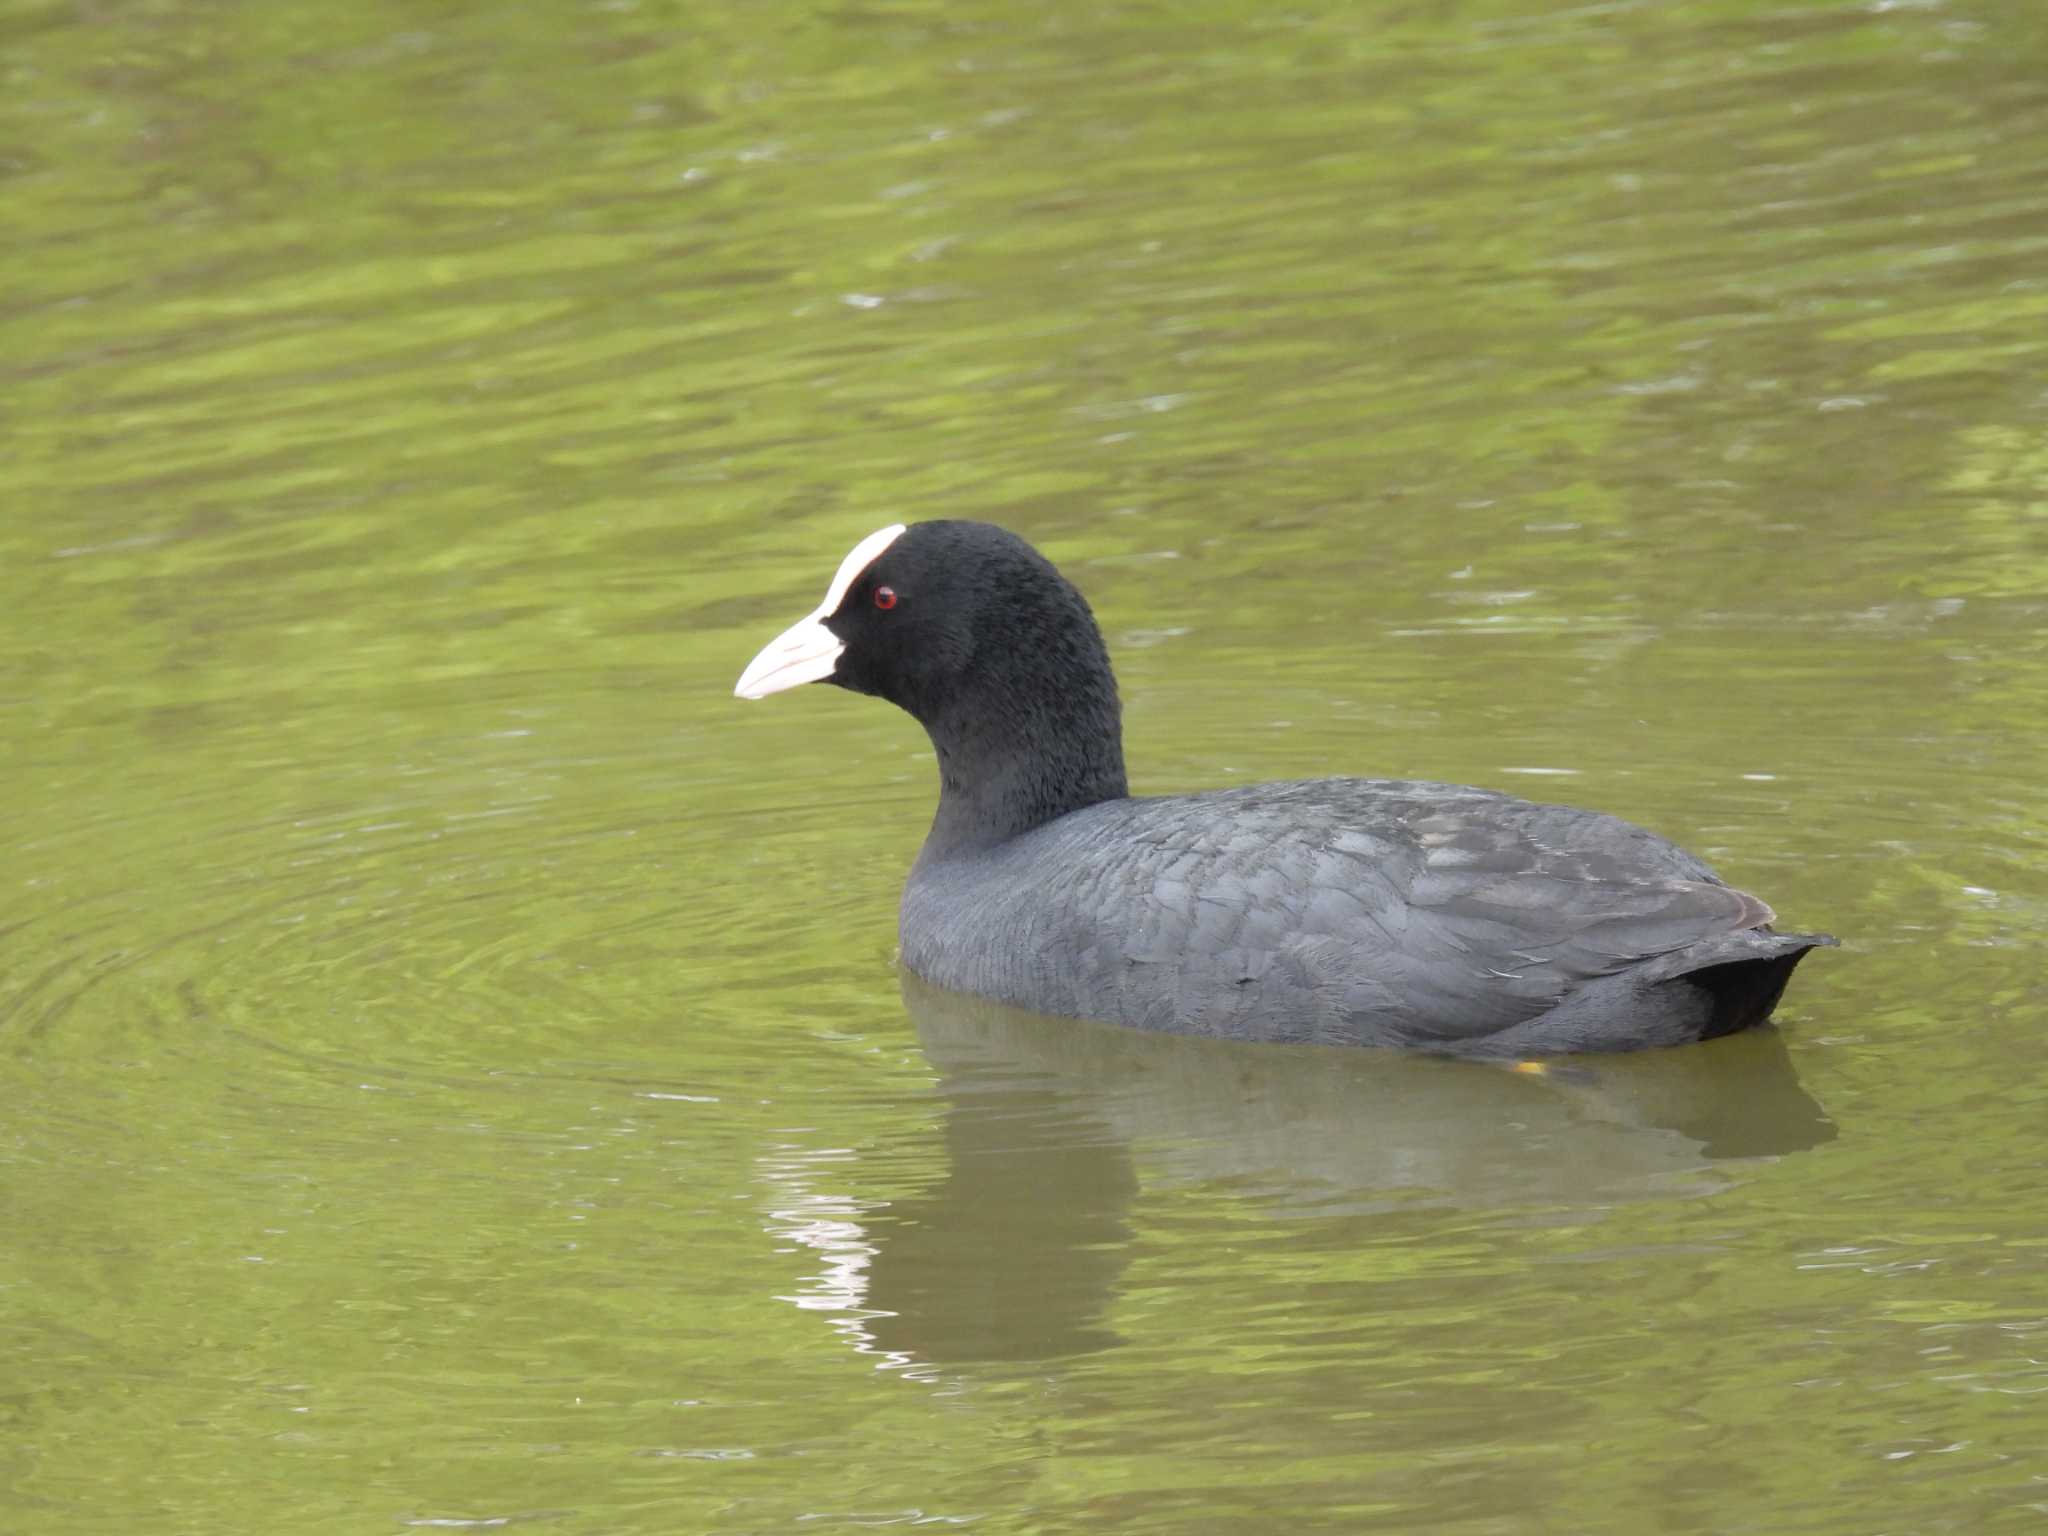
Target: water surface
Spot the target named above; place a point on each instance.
(454, 1066)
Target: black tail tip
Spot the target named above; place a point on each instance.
(1743, 993)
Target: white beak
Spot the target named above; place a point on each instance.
(807, 651)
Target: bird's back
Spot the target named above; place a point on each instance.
(1364, 911)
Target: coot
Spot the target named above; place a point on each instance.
(1365, 911)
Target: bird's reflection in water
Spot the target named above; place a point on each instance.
(1015, 1254)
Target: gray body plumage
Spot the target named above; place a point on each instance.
(1356, 911)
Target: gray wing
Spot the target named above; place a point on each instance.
(1399, 913)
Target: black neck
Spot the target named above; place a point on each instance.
(1020, 751)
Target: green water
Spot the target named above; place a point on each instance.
(452, 1071)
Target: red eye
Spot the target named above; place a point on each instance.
(885, 598)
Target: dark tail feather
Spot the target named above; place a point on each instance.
(1742, 993)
